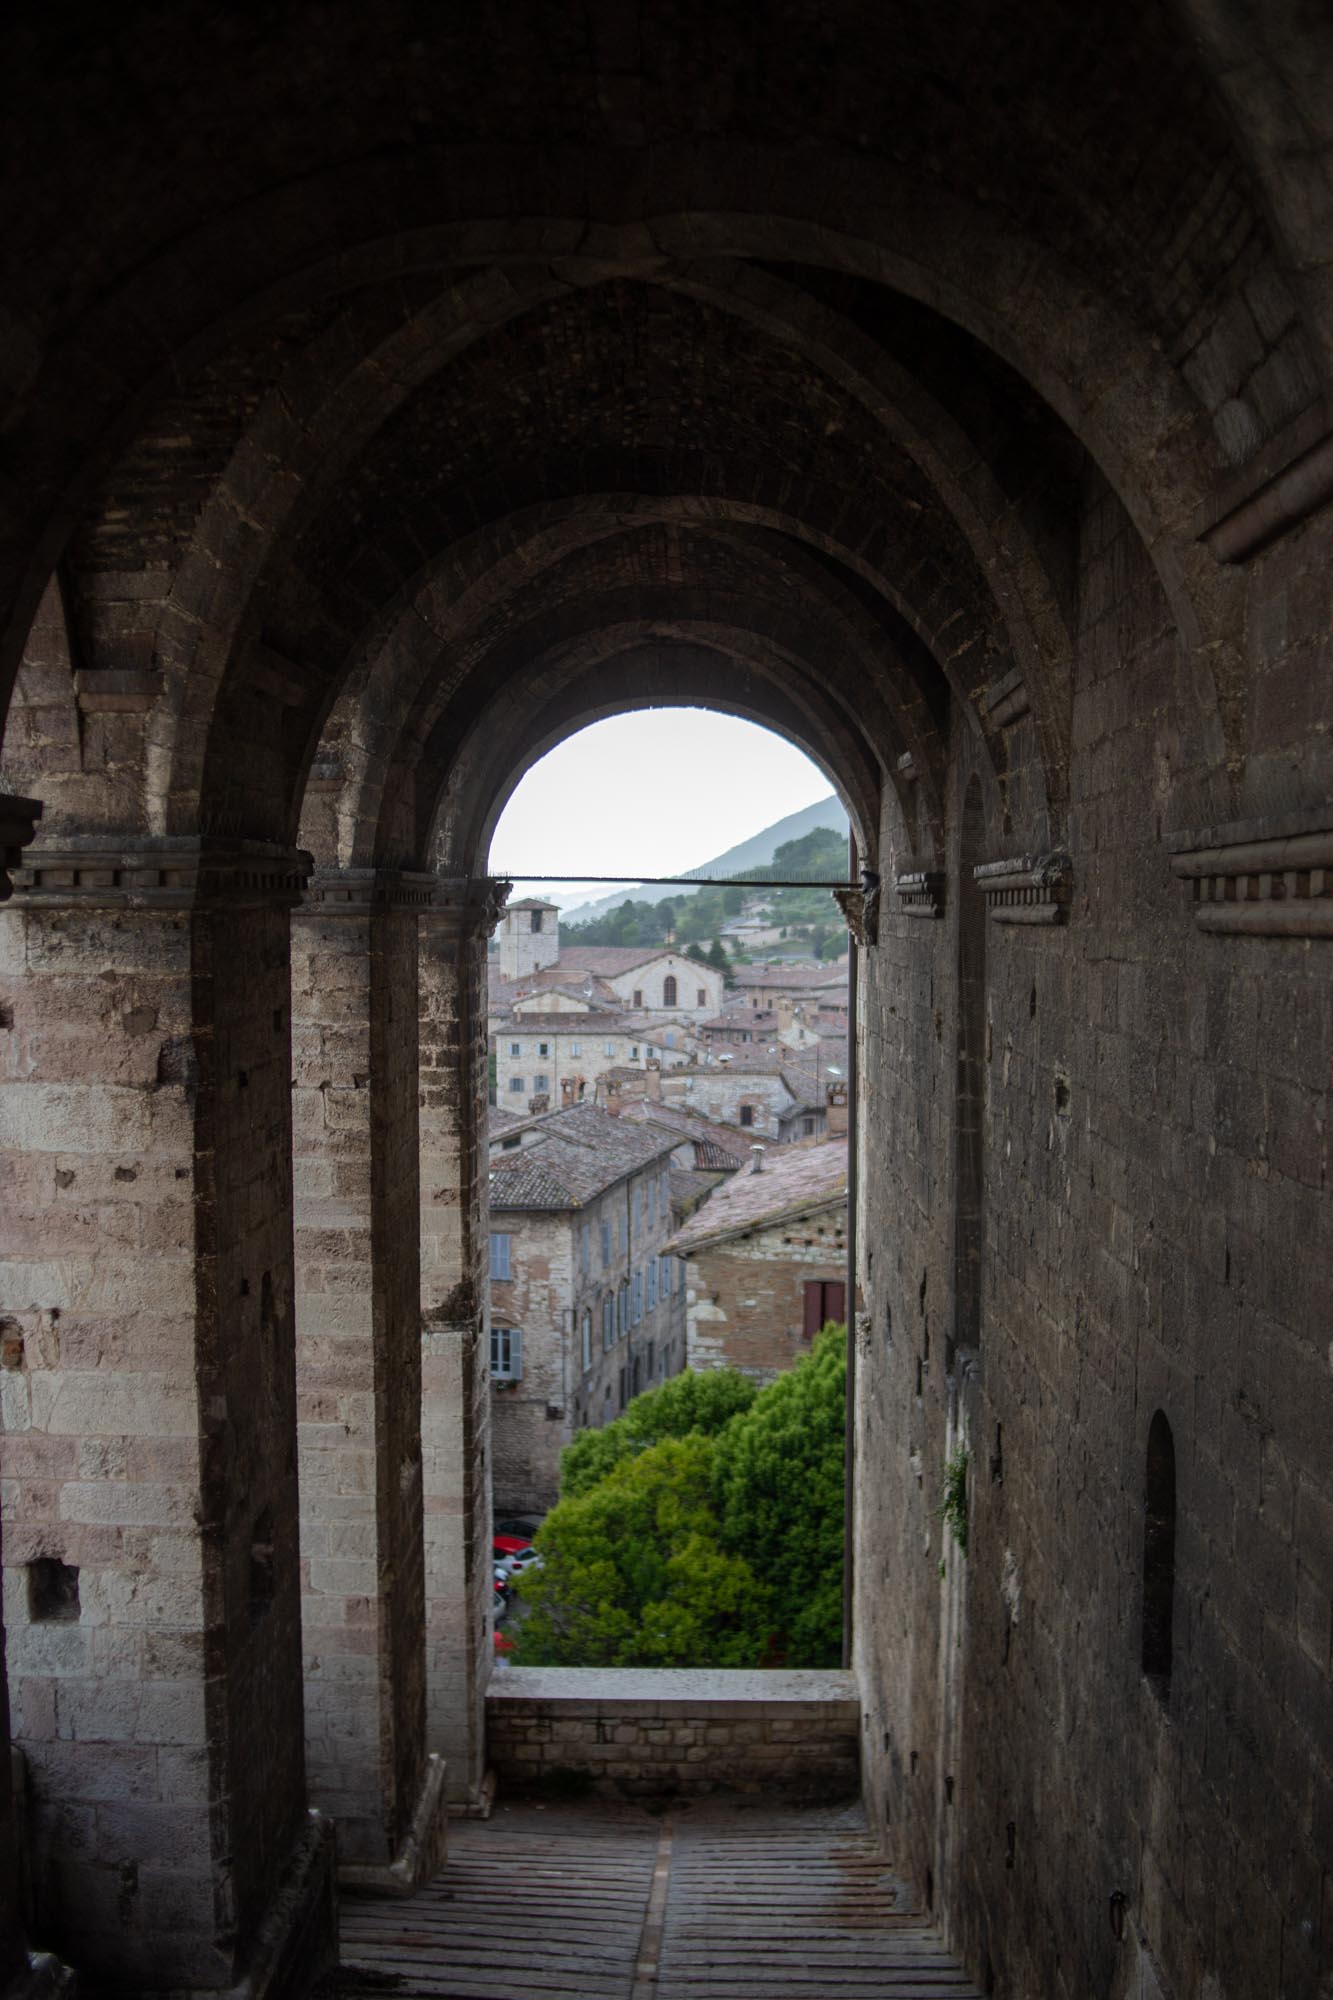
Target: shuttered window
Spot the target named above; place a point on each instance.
(506, 1353)
(825, 1299)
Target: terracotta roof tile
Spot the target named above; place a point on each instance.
(581, 1152)
(794, 1178)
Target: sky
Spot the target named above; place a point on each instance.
(654, 792)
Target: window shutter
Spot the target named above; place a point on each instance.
(814, 1307)
(835, 1300)
(515, 1353)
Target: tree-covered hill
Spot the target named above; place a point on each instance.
(698, 917)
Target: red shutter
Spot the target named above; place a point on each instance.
(814, 1308)
(835, 1301)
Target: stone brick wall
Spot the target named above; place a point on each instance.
(359, 1364)
(720, 1091)
(456, 1388)
(531, 1419)
(640, 1732)
(745, 1301)
(1155, 1163)
(150, 1421)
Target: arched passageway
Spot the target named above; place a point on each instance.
(381, 399)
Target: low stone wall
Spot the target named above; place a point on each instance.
(645, 1732)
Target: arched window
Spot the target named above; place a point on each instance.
(669, 990)
(1159, 1555)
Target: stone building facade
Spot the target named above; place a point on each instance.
(752, 1090)
(587, 1309)
(386, 396)
(766, 1262)
(648, 978)
(546, 1061)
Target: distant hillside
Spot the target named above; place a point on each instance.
(756, 852)
(803, 917)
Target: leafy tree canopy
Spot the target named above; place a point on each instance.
(702, 1528)
(635, 1575)
(778, 1488)
(693, 1402)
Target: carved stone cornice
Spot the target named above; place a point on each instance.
(163, 874)
(1259, 880)
(356, 892)
(18, 828)
(860, 907)
(922, 894)
(466, 902)
(1027, 890)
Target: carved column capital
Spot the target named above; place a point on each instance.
(466, 902)
(1260, 878)
(171, 873)
(18, 828)
(921, 894)
(1029, 889)
(861, 908)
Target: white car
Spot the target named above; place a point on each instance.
(517, 1562)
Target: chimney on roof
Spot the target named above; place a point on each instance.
(757, 1159)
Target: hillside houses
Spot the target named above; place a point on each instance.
(548, 1060)
(821, 989)
(529, 956)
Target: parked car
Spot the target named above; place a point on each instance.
(509, 1545)
(516, 1561)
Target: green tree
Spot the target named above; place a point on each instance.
(717, 956)
(635, 1575)
(778, 1487)
(702, 1403)
(697, 953)
(702, 1528)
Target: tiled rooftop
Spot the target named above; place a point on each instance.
(794, 1178)
(616, 958)
(582, 1152)
(729, 1139)
(793, 977)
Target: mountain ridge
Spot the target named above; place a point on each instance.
(755, 852)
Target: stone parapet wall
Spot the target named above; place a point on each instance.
(644, 1732)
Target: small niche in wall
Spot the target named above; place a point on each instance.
(1159, 1556)
(53, 1592)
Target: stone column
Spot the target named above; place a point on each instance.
(152, 1588)
(456, 1397)
(358, 1328)
(20, 1973)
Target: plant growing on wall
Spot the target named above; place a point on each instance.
(953, 1504)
